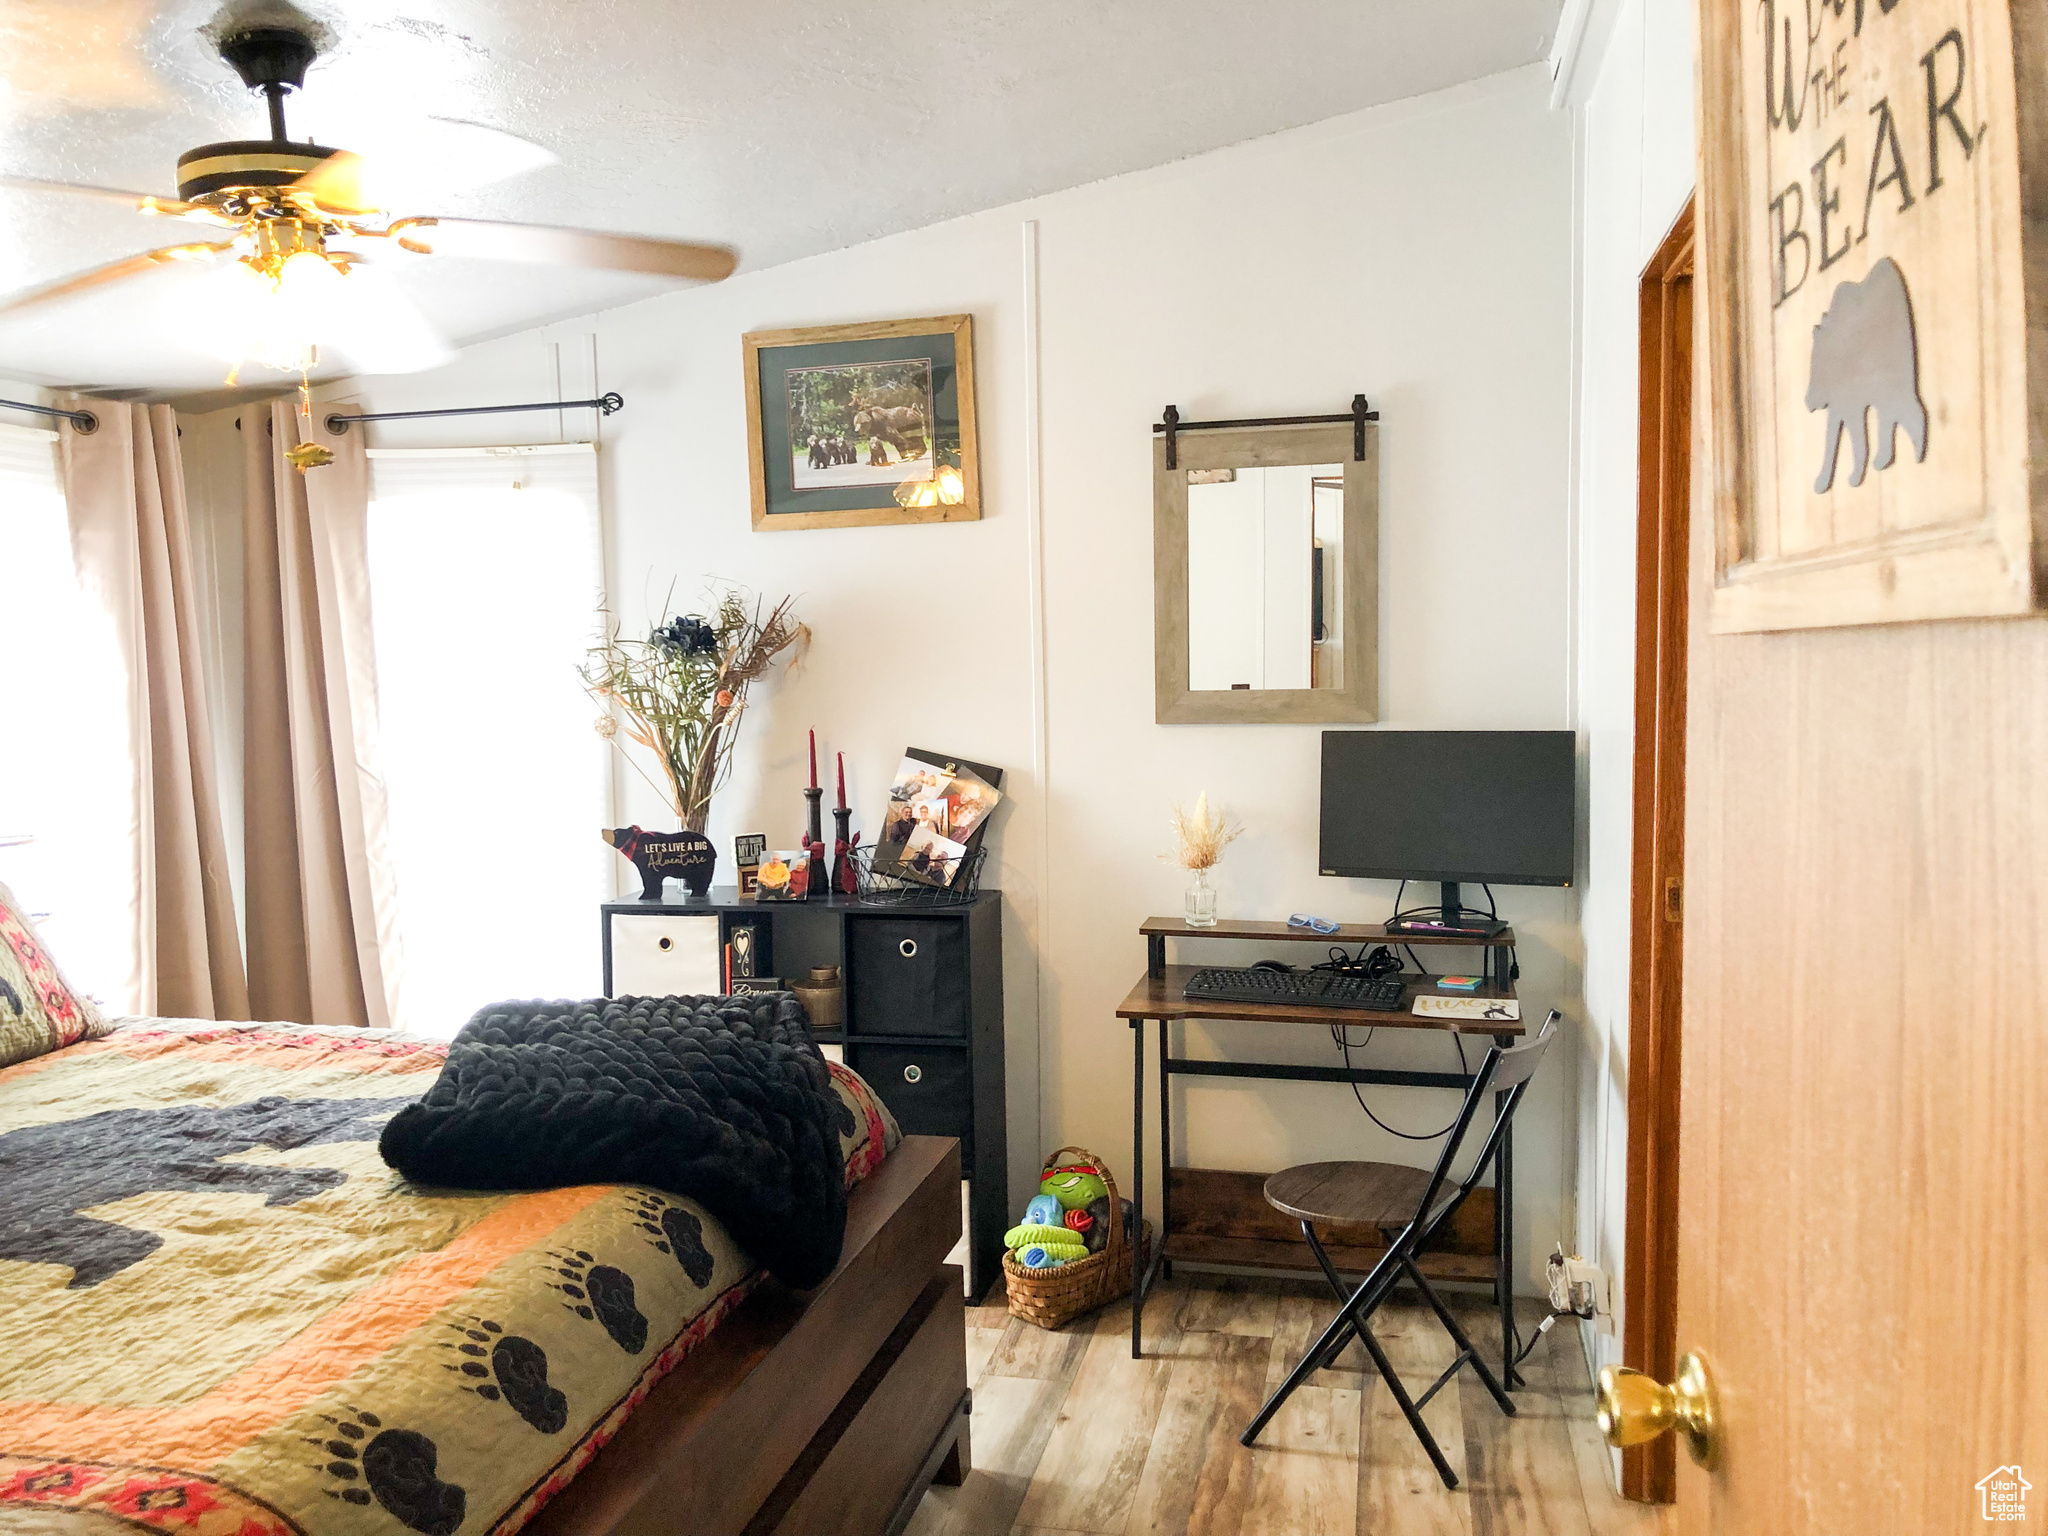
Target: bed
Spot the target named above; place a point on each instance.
(221, 1314)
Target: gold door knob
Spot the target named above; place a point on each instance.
(1634, 1408)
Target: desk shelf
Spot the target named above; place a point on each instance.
(1222, 1218)
(1499, 947)
(1160, 997)
(1347, 933)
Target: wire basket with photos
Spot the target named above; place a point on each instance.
(885, 886)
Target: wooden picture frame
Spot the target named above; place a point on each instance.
(1176, 701)
(862, 400)
(1874, 246)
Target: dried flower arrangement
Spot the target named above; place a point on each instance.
(683, 689)
(1201, 835)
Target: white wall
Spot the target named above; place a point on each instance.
(1633, 146)
(1419, 252)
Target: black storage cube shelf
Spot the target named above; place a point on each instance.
(923, 1023)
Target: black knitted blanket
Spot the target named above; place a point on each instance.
(722, 1099)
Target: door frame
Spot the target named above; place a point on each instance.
(1656, 894)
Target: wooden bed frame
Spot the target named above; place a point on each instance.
(815, 1412)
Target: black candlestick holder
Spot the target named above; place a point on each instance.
(843, 881)
(819, 888)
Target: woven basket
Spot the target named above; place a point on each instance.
(1056, 1296)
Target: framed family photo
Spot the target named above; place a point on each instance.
(854, 425)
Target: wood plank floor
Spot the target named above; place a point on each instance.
(1071, 1435)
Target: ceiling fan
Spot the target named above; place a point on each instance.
(294, 220)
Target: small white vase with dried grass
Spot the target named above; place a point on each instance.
(1199, 838)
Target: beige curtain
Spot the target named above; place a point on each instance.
(132, 541)
(321, 913)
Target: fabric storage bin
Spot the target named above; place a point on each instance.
(929, 1090)
(666, 955)
(906, 976)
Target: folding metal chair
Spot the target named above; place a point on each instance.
(1419, 1201)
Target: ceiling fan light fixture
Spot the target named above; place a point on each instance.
(227, 314)
(274, 314)
(309, 295)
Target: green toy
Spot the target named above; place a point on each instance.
(1058, 1242)
(1074, 1186)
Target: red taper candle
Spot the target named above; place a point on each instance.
(842, 779)
(814, 759)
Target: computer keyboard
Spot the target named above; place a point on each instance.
(1314, 989)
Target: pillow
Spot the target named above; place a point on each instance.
(39, 1010)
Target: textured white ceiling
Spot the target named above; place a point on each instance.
(782, 129)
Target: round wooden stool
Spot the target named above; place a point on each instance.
(1348, 1194)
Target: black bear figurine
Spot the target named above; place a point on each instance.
(688, 856)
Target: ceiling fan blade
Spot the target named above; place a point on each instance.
(495, 241)
(341, 183)
(381, 330)
(114, 272)
(394, 166)
(135, 202)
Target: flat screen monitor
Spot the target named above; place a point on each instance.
(1494, 807)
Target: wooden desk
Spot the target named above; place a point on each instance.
(1159, 994)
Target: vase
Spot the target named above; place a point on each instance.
(1200, 902)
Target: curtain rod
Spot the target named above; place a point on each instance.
(85, 421)
(604, 404)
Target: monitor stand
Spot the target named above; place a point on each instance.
(1451, 918)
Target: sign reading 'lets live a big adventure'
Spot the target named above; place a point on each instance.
(1874, 261)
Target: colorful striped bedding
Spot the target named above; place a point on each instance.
(221, 1314)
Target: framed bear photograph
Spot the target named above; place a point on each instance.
(853, 425)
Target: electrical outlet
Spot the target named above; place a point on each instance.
(1588, 1287)
(1577, 1286)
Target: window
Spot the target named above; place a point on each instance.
(485, 577)
(70, 815)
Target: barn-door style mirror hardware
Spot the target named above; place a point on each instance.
(1265, 557)
(1875, 246)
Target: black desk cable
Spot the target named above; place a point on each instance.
(1372, 962)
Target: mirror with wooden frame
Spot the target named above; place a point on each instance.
(1265, 559)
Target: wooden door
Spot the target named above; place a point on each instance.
(1863, 1248)
(1656, 896)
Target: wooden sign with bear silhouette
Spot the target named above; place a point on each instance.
(685, 856)
(1874, 239)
